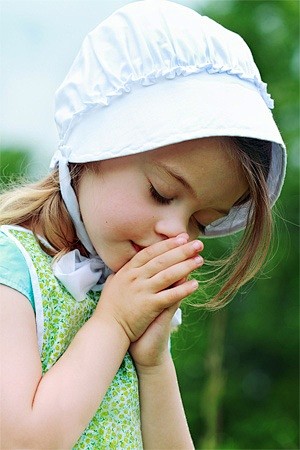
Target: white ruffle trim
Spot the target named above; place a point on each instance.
(155, 76)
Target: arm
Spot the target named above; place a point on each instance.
(52, 411)
(164, 425)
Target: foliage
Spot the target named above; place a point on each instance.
(238, 368)
(14, 165)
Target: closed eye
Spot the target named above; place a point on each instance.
(159, 198)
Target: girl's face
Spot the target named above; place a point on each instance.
(132, 202)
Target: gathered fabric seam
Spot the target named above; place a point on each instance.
(153, 78)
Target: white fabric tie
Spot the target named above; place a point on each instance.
(79, 274)
(176, 319)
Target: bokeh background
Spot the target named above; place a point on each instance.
(238, 368)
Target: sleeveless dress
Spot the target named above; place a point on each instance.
(116, 424)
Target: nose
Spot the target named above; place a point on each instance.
(170, 227)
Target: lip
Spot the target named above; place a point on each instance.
(136, 247)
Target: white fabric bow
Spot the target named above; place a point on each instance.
(79, 274)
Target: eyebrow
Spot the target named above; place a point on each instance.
(173, 172)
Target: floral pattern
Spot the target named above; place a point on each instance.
(116, 424)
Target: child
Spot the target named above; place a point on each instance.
(165, 135)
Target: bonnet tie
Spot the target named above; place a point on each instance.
(80, 274)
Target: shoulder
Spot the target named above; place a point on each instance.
(14, 271)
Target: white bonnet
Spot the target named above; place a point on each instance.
(156, 73)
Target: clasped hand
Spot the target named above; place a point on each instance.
(144, 294)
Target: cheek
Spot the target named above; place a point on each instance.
(125, 211)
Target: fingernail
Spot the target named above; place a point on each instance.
(194, 284)
(196, 245)
(198, 260)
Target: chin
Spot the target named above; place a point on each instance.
(114, 266)
(109, 257)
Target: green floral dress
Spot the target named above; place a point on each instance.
(116, 424)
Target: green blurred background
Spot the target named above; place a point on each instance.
(238, 369)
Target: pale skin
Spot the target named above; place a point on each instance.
(137, 303)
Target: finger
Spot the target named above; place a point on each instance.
(172, 257)
(166, 316)
(184, 235)
(169, 277)
(159, 248)
(183, 280)
(172, 296)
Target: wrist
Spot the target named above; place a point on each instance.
(164, 364)
(113, 327)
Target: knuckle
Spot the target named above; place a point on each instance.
(132, 275)
(188, 250)
(132, 278)
(159, 263)
(148, 252)
(173, 295)
(179, 293)
(165, 278)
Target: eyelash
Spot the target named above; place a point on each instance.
(159, 198)
(166, 201)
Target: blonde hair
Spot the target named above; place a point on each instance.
(39, 205)
(232, 272)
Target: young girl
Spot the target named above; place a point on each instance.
(165, 135)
